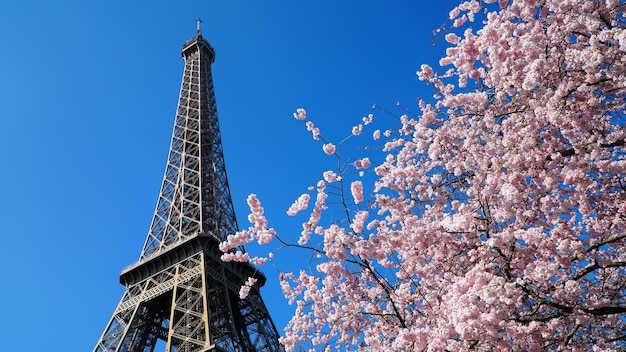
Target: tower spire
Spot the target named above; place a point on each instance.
(198, 21)
(180, 291)
(195, 196)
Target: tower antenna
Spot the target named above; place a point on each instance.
(198, 21)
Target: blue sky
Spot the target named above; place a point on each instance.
(88, 93)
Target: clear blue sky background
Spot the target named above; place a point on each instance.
(88, 93)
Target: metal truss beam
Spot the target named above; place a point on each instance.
(179, 291)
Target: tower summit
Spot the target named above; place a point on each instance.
(179, 291)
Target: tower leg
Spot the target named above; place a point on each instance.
(193, 306)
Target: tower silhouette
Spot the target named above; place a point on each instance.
(179, 291)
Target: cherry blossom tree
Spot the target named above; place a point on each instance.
(495, 216)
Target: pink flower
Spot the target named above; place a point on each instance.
(300, 204)
(425, 73)
(329, 148)
(300, 114)
(254, 204)
(357, 191)
(359, 221)
(362, 163)
(244, 291)
(330, 176)
(259, 260)
(314, 130)
(265, 236)
(452, 38)
(232, 241)
(237, 256)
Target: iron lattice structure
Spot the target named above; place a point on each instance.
(179, 291)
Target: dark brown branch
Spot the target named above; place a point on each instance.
(385, 287)
(623, 337)
(542, 300)
(581, 34)
(618, 143)
(530, 318)
(593, 267)
(607, 241)
(586, 271)
(569, 152)
(610, 310)
(570, 335)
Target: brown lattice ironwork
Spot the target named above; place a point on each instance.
(179, 291)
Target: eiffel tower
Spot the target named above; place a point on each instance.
(180, 292)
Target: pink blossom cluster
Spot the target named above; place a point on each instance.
(232, 246)
(329, 148)
(359, 221)
(237, 256)
(316, 215)
(315, 132)
(244, 291)
(363, 163)
(299, 205)
(497, 217)
(330, 176)
(300, 114)
(262, 234)
(259, 260)
(356, 188)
